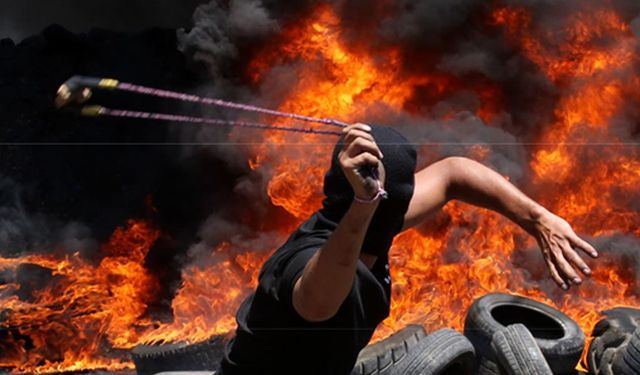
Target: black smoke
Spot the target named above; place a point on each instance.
(456, 39)
(446, 37)
(66, 182)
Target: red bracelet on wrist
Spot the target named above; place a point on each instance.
(380, 194)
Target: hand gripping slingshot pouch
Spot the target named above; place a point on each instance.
(399, 163)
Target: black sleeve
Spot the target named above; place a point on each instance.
(291, 272)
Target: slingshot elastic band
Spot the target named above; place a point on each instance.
(77, 90)
(225, 104)
(102, 111)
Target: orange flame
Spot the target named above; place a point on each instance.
(204, 305)
(91, 313)
(429, 288)
(85, 306)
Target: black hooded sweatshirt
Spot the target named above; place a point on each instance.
(271, 337)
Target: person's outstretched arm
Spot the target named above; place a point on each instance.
(329, 275)
(471, 182)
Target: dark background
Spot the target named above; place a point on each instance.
(22, 18)
(66, 182)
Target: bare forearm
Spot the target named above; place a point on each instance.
(328, 277)
(473, 183)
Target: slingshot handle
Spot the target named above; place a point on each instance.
(77, 89)
(78, 82)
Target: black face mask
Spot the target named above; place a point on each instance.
(399, 164)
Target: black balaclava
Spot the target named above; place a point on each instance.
(399, 163)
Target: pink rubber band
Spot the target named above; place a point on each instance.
(380, 194)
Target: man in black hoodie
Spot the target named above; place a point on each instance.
(322, 294)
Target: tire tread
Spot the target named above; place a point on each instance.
(202, 356)
(437, 352)
(518, 353)
(382, 357)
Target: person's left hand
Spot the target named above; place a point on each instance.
(558, 242)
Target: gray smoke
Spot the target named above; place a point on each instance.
(449, 38)
(219, 40)
(210, 41)
(441, 37)
(221, 29)
(427, 24)
(470, 58)
(460, 135)
(22, 232)
(635, 26)
(623, 253)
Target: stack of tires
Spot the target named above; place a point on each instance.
(516, 335)
(408, 352)
(615, 348)
(503, 335)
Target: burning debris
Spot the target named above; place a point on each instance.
(545, 93)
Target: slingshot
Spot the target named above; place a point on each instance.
(78, 90)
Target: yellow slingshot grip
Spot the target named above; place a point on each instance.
(92, 110)
(108, 83)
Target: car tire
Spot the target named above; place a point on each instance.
(518, 353)
(610, 334)
(488, 367)
(445, 352)
(605, 366)
(382, 357)
(559, 337)
(627, 359)
(203, 356)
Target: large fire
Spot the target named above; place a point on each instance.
(89, 314)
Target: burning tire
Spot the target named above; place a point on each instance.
(382, 357)
(203, 356)
(445, 352)
(518, 353)
(610, 334)
(559, 337)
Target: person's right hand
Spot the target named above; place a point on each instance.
(360, 150)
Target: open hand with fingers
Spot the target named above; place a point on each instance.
(558, 243)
